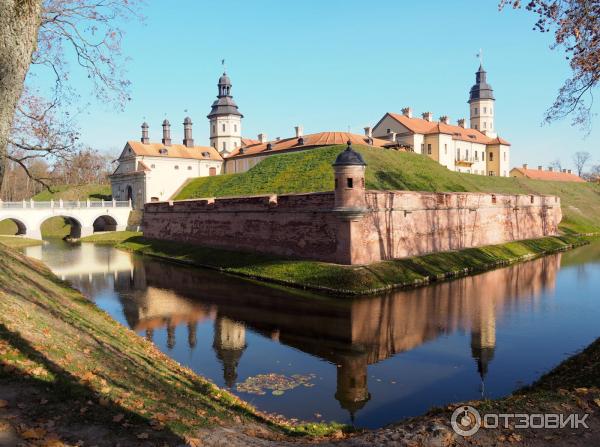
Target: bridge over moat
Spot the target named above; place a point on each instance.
(85, 217)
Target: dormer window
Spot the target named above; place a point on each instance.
(242, 151)
(300, 141)
(269, 146)
(163, 151)
(205, 154)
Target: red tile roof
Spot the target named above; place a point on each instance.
(310, 141)
(421, 126)
(249, 142)
(556, 176)
(174, 151)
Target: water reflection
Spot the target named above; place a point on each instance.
(350, 334)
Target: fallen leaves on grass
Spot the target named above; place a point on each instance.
(277, 383)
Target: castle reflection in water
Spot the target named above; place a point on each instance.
(350, 334)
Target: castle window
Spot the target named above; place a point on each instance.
(475, 126)
(235, 127)
(485, 110)
(388, 130)
(484, 124)
(429, 149)
(482, 157)
(223, 127)
(491, 156)
(189, 168)
(504, 156)
(224, 145)
(475, 110)
(349, 182)
(214, 128)
(458, 153)
(235, 144)
(422, 147)
(153, 166)
(491, 111)
(176, 167)
(336, 183)
(446, 149)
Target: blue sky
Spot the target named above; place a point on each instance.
(331, 64)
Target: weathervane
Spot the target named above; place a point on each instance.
(223, 64)
(479, 55)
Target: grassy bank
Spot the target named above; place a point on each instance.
(391, 170)
(75, 192)
(19, 242)
(110, 238)
(93, 371)
(352, 280)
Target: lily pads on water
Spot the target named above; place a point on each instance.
(278, 384)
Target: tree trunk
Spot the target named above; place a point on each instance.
(19, 24)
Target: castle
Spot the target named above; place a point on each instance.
(153, 172)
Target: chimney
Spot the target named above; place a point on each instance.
(407, 112)
(428, 116)
(444, 119)
(564, 171)
(262, 137)
(461, 122)
(524, 165)
(188, 141)
(145, 139)
(540, 168)
(369, 132)
(299, 131)
(550, 169)
(569, 171)
(166, 139)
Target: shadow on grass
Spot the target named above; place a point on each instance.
(67, 395)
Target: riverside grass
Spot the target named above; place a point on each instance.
(310, 171)
(343, 280)
(52, 336)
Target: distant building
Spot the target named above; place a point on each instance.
(550, 175)
(474, 150)
(248, 156)
(155, 171)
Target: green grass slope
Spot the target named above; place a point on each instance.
(310, 171)
(70, 192)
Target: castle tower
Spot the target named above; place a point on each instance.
(225, 120)
(229, 343)
(481, 102)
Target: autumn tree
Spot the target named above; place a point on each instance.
(46, 34)
(576, 28)
(580, 159)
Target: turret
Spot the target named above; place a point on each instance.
(166, 139)
(188, 141)
(349, 170)
(145, 138)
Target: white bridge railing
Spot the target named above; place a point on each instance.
(74, 204)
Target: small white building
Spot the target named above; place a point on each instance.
(149, 172)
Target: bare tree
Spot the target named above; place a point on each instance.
(580, 159)
(576, 27)
(85, 30)
(556, 164)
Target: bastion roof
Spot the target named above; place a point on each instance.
(308, 141)
(424, 127)
(557, 176)
(174, 151)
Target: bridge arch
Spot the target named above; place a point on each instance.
(105, 222)
(75, 223)
(21, 226)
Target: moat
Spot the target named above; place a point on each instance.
(372, 360)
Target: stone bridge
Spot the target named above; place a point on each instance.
(85, 217)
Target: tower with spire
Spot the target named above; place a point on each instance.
(481, 102)
(225, 119)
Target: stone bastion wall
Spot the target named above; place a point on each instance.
(374, 226)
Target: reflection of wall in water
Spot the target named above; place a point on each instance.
(353, 333)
